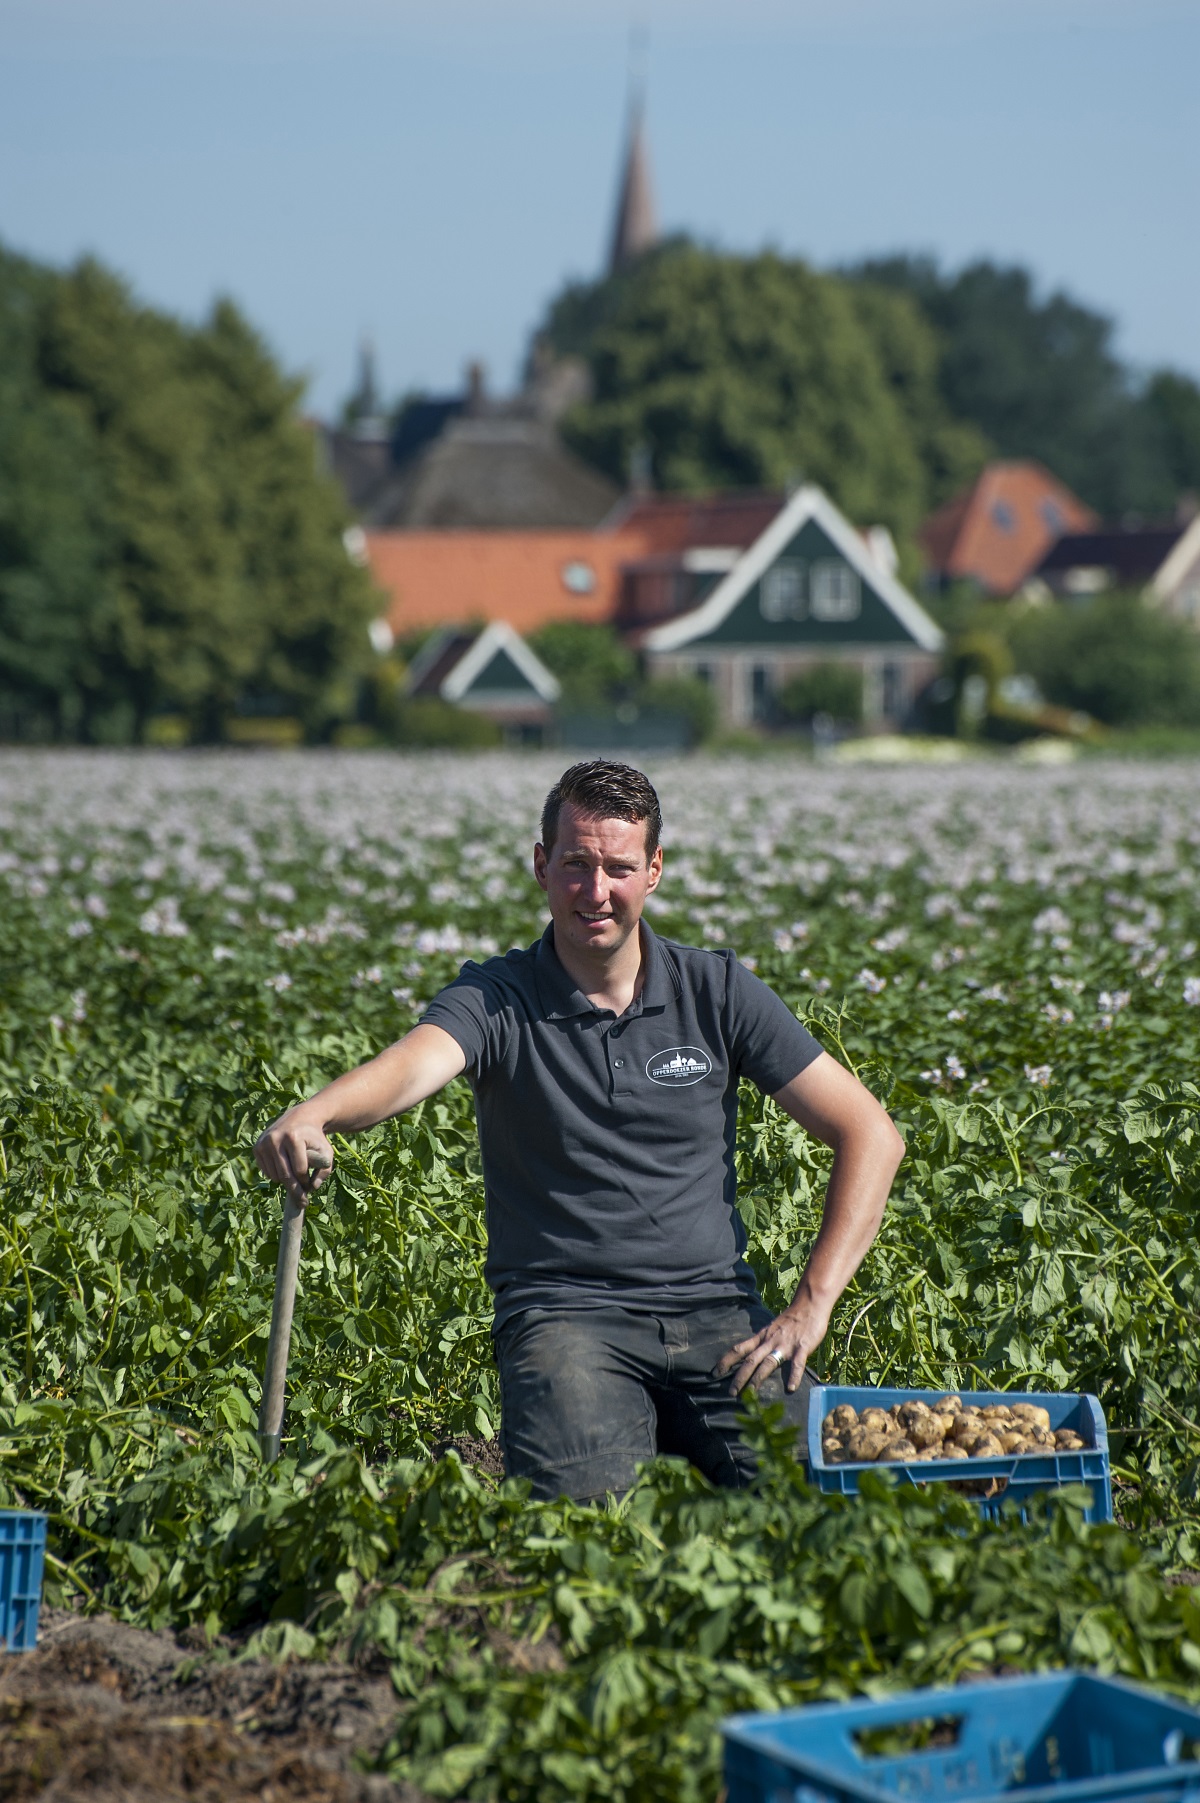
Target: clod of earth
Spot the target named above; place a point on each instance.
(103, 1712)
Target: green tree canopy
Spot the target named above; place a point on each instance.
(756, 372)
(1116, 656)
(55, 532)
(889, 383)
(166, 541)
(1172, 402)
(1040, 378)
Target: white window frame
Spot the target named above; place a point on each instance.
(835, 591)
(782, 592)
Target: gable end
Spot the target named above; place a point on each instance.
(809, 595)
(500, 673)
(808, 579)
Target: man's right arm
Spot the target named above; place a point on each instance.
(416, 1067)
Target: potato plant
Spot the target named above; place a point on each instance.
(1009, 958)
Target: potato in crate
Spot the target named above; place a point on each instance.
(992, 1445)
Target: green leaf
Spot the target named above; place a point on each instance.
(855, 1598)
(446, 1775)
(910, 1581)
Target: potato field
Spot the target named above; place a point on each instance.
(1010, 958)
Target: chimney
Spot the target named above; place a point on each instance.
(476, 387)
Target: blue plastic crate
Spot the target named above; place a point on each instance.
(22, 1553)
(1019, 1477)
(1061, 1738)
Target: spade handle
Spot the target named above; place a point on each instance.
(270, 1415)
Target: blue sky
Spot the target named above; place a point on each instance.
(430, 173)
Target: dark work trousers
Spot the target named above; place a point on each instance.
(586, 1394)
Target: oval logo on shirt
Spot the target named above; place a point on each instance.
(678, 1065)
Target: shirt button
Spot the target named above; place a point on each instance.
(618, 1062)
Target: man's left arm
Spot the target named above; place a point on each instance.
(830, 1103)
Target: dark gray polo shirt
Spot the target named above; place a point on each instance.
(608, 1141)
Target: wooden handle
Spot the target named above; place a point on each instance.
(270, 1415)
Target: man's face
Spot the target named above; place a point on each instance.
(596, 880)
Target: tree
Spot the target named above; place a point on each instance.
(1039, 378)
(889, 384)
(1116, 657)
(167, 543)
(1173, 403)
(755, 372)
(313, 604)
(55, 536)
(952, 451)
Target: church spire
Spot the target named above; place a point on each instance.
(635, 227)
(364, 411)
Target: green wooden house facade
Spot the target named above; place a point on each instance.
(491, 672)
(808, 591)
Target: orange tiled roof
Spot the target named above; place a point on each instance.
(682, 522)
(452, 578)
(998, 531)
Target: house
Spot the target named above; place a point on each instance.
(491, 672)
(997, 531)
(526, 579)
(471, 461)
(678, 523)
(1175, 585)
(1162, 560)
(690, 542)
(808, 589)
(474, 461)
(793, 584)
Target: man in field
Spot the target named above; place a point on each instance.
(605, 1063)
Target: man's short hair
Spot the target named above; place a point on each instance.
(604, 790)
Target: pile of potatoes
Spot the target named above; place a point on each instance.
(945, 1429)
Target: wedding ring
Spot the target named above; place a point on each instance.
(777, 1356)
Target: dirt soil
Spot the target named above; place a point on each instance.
(106, 1713)
(484, 1455)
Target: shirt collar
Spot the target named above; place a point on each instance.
(562, 1000)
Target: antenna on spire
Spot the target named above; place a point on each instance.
(368, 392)
(635, 226)
(639, 57)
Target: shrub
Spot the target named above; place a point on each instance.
(685, 695)
(593, 666)
(1117, 658)
(436, 724)
(829, 688)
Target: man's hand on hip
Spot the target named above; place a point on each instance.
(783, 1345)
(829, 1102)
